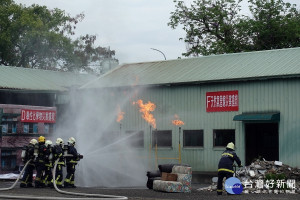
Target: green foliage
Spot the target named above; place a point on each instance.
(272, 176)
(275, 178)
(36, 37)
(274, 25)
(217, 27)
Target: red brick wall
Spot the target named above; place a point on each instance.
(15, 141)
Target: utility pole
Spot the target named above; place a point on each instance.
(160, 52)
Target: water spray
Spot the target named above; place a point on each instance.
(120, 117)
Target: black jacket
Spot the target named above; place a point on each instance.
(48, 152)
(72, 150)
(227, 160)
(29, 153)
(42, 153)
(58, 153)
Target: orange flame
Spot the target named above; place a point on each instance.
(177, 121)
(146, 109)
(120, 114)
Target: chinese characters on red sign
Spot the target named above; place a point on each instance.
(222, 101)
(46, 116)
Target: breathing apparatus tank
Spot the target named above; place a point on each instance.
(36, 151)
(65, 149)
(26, 148)
(50, 157)
(24, 152)
(48, 144)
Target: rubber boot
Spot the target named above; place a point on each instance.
(42, 185)
(66, 185)
(23, 185)
(37, 184)
(29, 185)
(50, 185)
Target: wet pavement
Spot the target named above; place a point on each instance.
(137, 193)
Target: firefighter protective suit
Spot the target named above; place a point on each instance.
(225, 168)
(71, 163)
(26, 180)
(40, 162)
(58, 154)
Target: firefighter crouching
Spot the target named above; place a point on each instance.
(71, 161)
(40, 162)
(27, 154)
(225, 168)
(58, 154)
(48, 164)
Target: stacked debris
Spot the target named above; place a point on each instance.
(270, 174)
(259, 169)
(264, 176)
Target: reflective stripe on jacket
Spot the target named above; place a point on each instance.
(227, 160)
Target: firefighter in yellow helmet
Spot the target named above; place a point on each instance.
(40, 162)
(28, 154)
(225, 168)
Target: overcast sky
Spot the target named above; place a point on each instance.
(130, 27)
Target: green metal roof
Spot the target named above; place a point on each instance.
(35, 79)
(225, 67)
(274, 117)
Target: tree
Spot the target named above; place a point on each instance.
(36, 37)
(274, 24)
(217, 27)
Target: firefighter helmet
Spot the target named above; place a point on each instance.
(72, 140)
(33, 141)
(230, 145)
(59, 141)
(41, 139)
(48, 143)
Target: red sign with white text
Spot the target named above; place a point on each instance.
(46, 116)
(222, 101)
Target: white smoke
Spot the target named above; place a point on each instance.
(109, 160)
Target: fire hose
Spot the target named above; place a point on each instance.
(90, 196)
(15, 183)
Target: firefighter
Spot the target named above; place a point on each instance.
(71, 161)
(58, 154)
(225, 168)
(48, 164)
(40, 162)
(27, 155)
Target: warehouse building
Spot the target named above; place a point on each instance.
(251, 99)
(32, 101)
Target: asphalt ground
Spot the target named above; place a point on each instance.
(138, 193)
